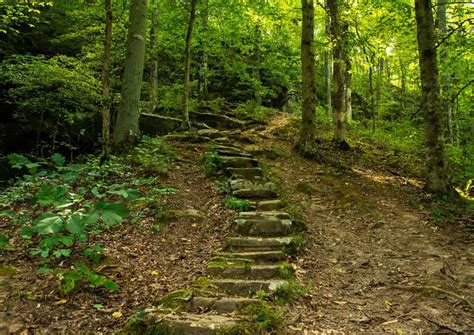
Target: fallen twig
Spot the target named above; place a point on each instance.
(433, 289)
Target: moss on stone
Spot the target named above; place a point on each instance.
(144, 325)
(204, 283)
(175, 300)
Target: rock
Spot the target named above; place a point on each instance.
(218, 121)
(263, 227)
(267, 214)
(153, 124)
(258, 271)
(232, 153)
(222, 305)
(252, 256)
(255, 193)
(210, 133)
(248, 288)
(238, 184)
(238, 162)
(244, 173)
(175, 214)
(269, 205)
(247, 243)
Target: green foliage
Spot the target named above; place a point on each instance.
(239, 205)
(260, 318)
(289, 292)
(152, 155)
(66, 106)
(254, 112)
(210, 163)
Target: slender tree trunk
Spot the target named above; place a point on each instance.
(403, 84)
(308, 122)
(203, 89)
(127, 125)
(187, 65)
(378, 87)
(105, 80)
(256, 66)
(442, 27)
(371, 88)
(338, 96)
(437, 176)
(347, 78)
(327, 61)
(153, 81)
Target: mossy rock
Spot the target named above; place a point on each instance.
(175, 300)
(204, 283)
(8, 271)
(141, 325)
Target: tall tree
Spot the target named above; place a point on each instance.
(338, 91)
(127, 125)
(105, 80)
(327, 60)
(153, 80)
(308, 121)
(187, 64)
(437, 180)
(204, 57)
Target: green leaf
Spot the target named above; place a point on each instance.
(112, 213)
(62, 253)
(58, 159)
(43, 270)
(48, 223)
(110, 285)
(76, 224)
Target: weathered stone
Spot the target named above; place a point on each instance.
(236, 153)
(263, 227)
(238, 184)
(259, 193)
(238, 162)
(269, 205)
(218, 121)
(152, 124)
(252, 271)
(247, 243)
(248, 288)
(221, 304)
(252, 256)
(265, 214)
(210, 133)
(244, 173)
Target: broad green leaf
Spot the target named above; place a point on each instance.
(110, 285)
(48, 223)
(76, 224)
(112, 213)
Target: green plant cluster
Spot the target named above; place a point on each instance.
(61, 207)
(240, 205)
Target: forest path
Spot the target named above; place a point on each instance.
(372, 261)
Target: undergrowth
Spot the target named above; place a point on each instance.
(55, 210)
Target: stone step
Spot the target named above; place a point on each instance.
(181, 324)
(221, 305)
(237, 162)
(264, 227)
(265, 214)
(251, 257)
(254, 271)
(255, 193)
(268, 205)
(255, 183)
(248, 288)
(252, 244)
(234, 153)
(244, 173)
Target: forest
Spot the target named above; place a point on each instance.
(236, 166)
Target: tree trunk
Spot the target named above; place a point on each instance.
(347, 78)
(437, 176)
(441, 22)
(371, 88)
(127, 129)
(153, 81)
(256, 66)
(327, 61)
(187, 65)
(203, 89)
(105, 80)
(378, 87)
(308, 121)
(338, 95)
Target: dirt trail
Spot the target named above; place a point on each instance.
(372, 261)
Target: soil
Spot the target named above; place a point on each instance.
(145, 265)
(373, 260)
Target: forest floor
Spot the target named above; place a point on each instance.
(374, 259)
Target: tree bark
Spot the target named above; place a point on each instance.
(338, 92)
(327, 61)
(203, 89)
(153, 81)
(437, 180)
(105, 80)
(127, 127)
(308, 121)
(187, 65)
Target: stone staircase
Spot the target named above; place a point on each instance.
(252, 264)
